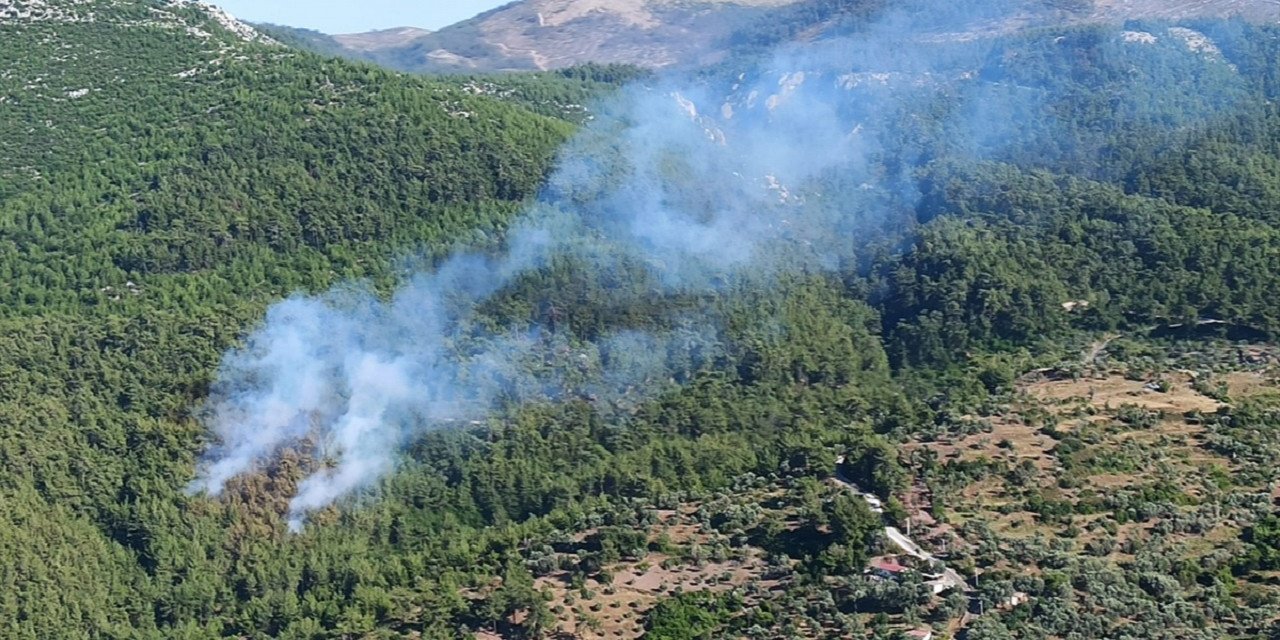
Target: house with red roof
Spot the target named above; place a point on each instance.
(887, 567)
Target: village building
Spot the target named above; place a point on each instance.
(887, 567)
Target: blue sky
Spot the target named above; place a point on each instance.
(350, 16)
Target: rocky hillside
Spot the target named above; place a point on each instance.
(1256, 10)
(549, 34)
(381, 39)
(199, 19)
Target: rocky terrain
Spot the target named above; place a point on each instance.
(1259, 10)
(380, 39)
(550, 34)
(193, 17)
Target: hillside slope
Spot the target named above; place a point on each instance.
(165, 172)
(1263, 11)
(549, 34)
(381, 39)
(166, 178)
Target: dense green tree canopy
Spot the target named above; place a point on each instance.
(159, 189)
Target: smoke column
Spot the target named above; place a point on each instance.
(698, 182)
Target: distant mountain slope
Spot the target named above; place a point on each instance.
(382, 39)
(1257, 10)
(307, 39)
(548, 34)
(353, 44)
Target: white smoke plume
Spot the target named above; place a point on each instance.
(696, 181)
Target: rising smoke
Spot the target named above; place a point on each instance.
(810, 150)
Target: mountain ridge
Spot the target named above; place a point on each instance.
(534, 35)
(123, 13)
(380, 38)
